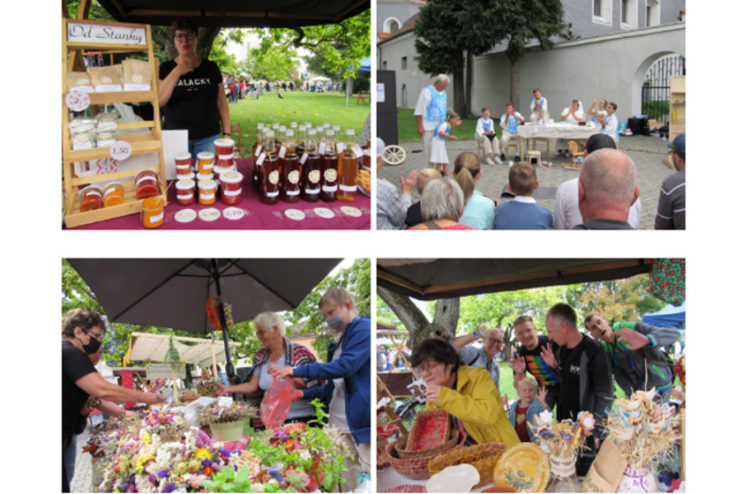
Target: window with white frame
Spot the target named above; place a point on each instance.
(653, 13)
(629, 14)
(602, 11)
(391, 25)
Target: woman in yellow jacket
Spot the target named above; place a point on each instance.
(467, 393)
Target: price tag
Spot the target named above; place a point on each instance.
(120, 150)
(340, 146)
(209, 214)
(282, 152)
(77, 100)
(357, 150)
(232, 213)
(303, 159)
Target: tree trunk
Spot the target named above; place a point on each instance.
(469, 82)
(514, 83)
(459, 105)
(446, 316)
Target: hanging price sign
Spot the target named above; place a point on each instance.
(120, 150)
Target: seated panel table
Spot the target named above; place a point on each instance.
(254, 214)
(554, 131)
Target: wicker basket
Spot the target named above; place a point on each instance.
(252, 461)
(413, 468)
(383, 435)
(431, 428)
(482, 457)
(449, 444)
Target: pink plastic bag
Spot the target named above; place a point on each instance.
(276, 403)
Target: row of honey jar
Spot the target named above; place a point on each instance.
(206, 187)
(113, 194)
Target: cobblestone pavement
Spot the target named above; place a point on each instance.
(82, 478)
(648, 153)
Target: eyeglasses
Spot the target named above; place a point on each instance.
(97, 337)
(183, 37)
(427, 367)
(495, 341)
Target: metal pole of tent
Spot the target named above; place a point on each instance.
(224, 331)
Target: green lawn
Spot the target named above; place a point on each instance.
(407, 127)
(315, 108)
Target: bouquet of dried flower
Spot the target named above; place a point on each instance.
(565, 438)
(216, 414)
(641, 428)
(207, 388)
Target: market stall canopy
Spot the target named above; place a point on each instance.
(431, 279)
(364, 65)
(172, 293)
(153, 347)
(668, 317)
(235, 13)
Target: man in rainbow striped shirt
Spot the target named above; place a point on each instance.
(537, 356)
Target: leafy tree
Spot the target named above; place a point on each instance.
(336, 48)
(524, 21)
(271, 63)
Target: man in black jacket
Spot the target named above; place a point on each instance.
(585, 375)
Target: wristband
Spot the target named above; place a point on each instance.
(475, 335)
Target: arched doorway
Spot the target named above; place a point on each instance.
(654, 77)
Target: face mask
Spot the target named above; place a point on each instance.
(92, 347)
(335, 323)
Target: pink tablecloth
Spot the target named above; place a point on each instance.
(257, 216)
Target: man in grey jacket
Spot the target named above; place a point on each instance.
(634, 350)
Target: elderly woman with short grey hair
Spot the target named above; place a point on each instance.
(442, 206)
(271, 330)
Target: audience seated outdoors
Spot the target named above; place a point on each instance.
(567, 215)
(479, 211)
(522, 213)
(414, 213)
(442, 206)
(392, 202)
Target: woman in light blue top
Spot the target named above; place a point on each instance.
(479, 211)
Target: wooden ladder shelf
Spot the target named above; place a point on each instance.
(148, 140)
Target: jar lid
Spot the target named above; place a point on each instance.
(204, 176)
(92, 189)
(112, 186)
(186, 176)
(231, 177)
(204, 155)
(183, 156)
(145, 172)
(207, 184)
(186, 184)
(224, 141)
(153, 202)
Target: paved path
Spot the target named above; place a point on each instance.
(82, 478)
(647, 152)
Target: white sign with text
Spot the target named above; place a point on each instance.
(106, 33)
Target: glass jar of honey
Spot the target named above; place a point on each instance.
(224, 150)
(91, 198)
(348, 166)
(231, 187)
(207, 192)
(146, 184)
(152, 212)
(183, 164)
(185, 191)
(114, 194)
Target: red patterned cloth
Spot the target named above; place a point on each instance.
(668, 280)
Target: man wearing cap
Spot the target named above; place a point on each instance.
(634, 350)
(481, 357)
(392, 203)
(567, 215)
(670, 213)
(536, 354)
(430, 111)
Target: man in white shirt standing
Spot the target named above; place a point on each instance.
(538, 107)
(431, 110)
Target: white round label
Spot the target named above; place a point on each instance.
(314, 176)
(77, 100)
(324, 212)
(185, 215)
(295, 214)
(120, 150)
(330, 175)
(273, 177)
(350, 211)
(293, 177)
(233, 213)
(209, 214)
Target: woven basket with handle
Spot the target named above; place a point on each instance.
(481, 456)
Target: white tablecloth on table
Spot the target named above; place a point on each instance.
(556, 131)
(388, 477)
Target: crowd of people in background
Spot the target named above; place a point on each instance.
(605, 195)
(238, 87)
